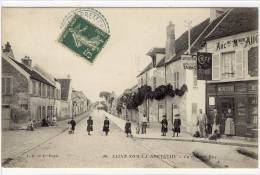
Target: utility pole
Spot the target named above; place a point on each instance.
(188, 25)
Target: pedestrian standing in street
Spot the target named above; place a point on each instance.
(144, 124)
(201, 123)
(106, 126)
(89, 125)
(137, 129)
(128, 128)
(164, 128)
(72, 123)
(176, 125)
(209, 124)
(229, 125)
(216, 123)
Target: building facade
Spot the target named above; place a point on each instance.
(25, 92)
(234, 46)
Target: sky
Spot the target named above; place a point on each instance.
(133, 32)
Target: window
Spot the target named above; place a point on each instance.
(154, 82)
(176, 80)
(45, 90)
(34, 87)
(142, 81)
(228, 64)
(195, 79)
(39, 89)
(24, 106)
(48, 91)
(7, 85)
(42, 89)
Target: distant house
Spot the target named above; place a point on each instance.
(25, 92)
(66, 98)
(79, 102)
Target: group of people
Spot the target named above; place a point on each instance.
(45, 122)
(176, 125)
(214, 124)
(164, 125)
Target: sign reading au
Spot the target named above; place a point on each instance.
(204, 66)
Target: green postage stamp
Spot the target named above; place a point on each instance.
(83, 37)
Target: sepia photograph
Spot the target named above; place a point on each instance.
(113, 87)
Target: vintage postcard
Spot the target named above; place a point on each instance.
(95, 87)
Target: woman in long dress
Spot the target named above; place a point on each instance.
(106, 126)
(164, 128)
(89, 125)
(229, 125)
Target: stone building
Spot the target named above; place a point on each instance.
(234, 47)
(79, 102)
(25, 92)
(66, 98)
(176, 65)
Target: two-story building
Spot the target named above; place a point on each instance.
(176, 65)
(234, 46)
(25, 92)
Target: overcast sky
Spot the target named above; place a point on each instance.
(134, 31)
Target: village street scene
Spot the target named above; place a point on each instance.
(190, 103)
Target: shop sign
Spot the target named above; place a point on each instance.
(189, 61)
(239, 42)
(204, 66)
(225, 89)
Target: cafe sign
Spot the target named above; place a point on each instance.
(189, 61)
(239, 42)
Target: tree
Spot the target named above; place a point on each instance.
(105, 95)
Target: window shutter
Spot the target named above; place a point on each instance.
(239, 71)
(215, 67)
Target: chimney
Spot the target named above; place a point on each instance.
(170, 41)
(7, 50)
(68, 76)
(216, 12)
(27, 61)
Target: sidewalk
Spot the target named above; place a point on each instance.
(18, 142)
(155, 133)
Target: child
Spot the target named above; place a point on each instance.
(128, 128)
(176, 125)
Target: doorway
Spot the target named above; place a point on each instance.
(225, 103)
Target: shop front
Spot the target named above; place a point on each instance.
(242, 98)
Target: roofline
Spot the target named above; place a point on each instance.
(218, 24)
(16, 66)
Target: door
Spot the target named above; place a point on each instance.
(224, 104)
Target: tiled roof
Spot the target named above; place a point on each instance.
(238, 20)
(148, 67)
(33, 74)
(65, 88)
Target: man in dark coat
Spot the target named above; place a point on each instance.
(164, 128)
(106, 126)
(89, 125)
(177, 125)
(128, 128)
(73, 124)
(210, 121)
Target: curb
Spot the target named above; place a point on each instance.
(183, 140)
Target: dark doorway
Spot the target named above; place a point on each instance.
(224, 104)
